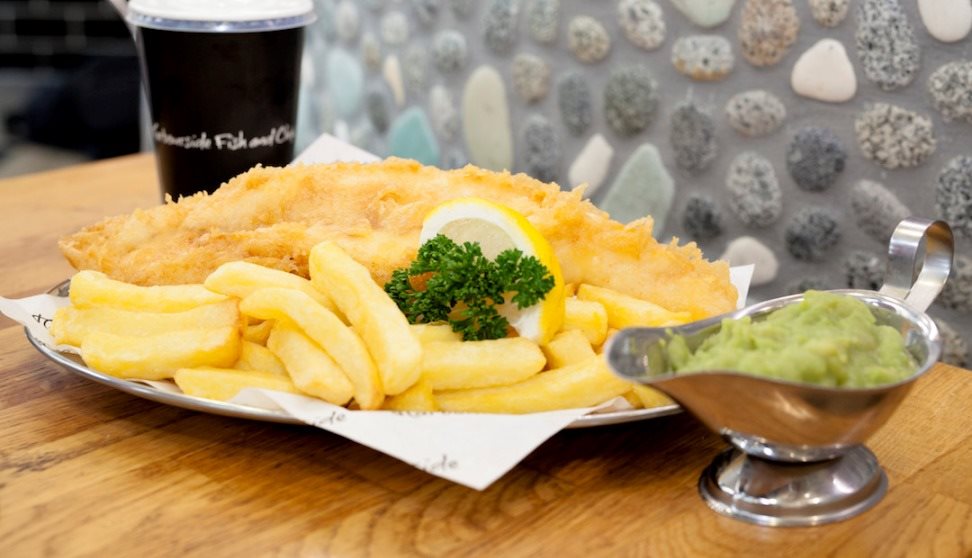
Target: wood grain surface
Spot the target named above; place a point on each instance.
(89, 471)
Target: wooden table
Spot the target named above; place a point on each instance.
(86, 470)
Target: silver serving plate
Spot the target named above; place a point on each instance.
(74, 363)
(798, 455)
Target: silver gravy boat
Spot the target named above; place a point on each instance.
(798, 456)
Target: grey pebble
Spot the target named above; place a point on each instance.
(805, 284)
(449, 51)
(587, 39)
(957, 293)
(767, 28)
(543, 20)
(462, 8)
(443, 112)
(886, 45)
(426, 11)
(812, 233)
(530, 77)
(829, 13)
(642, 22)
(374, 5)
(815, 158)
(955, 350)
(346, 20)
(454, 159)
(415, 64)
(574, 101)
(894, 137)
(692, 134)
(864, 270)
(878, 211)
(541, 149)
(702, 219)
(371, 51)
(754, 192)
(755, 113)
(703, 57)
(499, 25)
(950, 87)
(630, 99)
(376, 105)
(953, 196)
(394, 28)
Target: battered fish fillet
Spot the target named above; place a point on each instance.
(273, 216)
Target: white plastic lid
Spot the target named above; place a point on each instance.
(221, 15)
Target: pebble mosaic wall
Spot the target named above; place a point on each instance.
(793, 134)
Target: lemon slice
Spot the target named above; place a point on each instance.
(497, 228)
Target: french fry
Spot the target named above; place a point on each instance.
(473, 364)
(650, 397)
(222, 384)
(583, 384)
(258, 358)
(320, 324)
(157, 357)
(427, 333)
(632, 399)
(309, 367)
(567, 347)
(588, 316)
(416, 398)
(626, 311)
(72, 324)
(396, 350)
(239, 279)
(258, 332)
(93, 288)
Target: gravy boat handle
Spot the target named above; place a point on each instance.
(918, 289)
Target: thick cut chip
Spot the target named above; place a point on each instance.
(311, 369)
(626, 311)
(584, 384)
(240, 279)
(327, 330)
(259, 358)
(427, 333)
(222, 384)
(72, 324)
(258, 332)
(567, 347)
(588, 316)
(473, 364)
(93, 288)
(417, 398)
(396, 350)
(650, 397)
(157, 357)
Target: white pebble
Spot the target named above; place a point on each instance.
(946, 20)
(824, 72)
(746, 250)
(591, 165)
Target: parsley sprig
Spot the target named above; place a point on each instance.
(455, 283)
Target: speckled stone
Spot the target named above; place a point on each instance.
(957, 293)
(371, 51)
(705, 13)
(449, 51)
(864, 270)
(362, 134)
(587, 39)
(454, 159)
(592, 164)
(812, 233)
(346, 20)
(643, 23)
(426, 11)
(630, 99)
(376, 105)
(805, 284)
(394, 28)
(543, 20)
(415, 61)
(486, 120)
(894, 137)
(462, 8)
(953, 197)
(702, 219)
(950, 87)
(499, 25)
(824, 73)
(391, 70)
(815, 158)
(955, 350)
(643, 187)
(754, 192)
(411, 137)
(829, 13)
(703, 57)
(755, 113)
(877, 210)
(767, 29)
(344, 69)
(445, 117)
(541, 149)
(574, 101)
(886, 45)
(530, 77)
(747, 250)
(692, 134)
(946, 20)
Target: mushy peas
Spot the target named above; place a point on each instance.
(827, 339)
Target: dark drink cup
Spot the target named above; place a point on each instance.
(222, 88)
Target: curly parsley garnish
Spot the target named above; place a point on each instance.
(457, 284)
